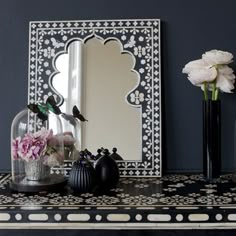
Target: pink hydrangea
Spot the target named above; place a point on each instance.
(31, 146)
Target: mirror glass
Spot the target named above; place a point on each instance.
(97, 77)
(110, 69)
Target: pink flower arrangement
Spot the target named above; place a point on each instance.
(67, 139)
(34, 146)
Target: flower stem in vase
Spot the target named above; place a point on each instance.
(205, 91)
(216, 94)
(213, 91)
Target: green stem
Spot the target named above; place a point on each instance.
(216, 94)
(205, 91)
(213, 91)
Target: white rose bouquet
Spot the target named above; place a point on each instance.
(212, 73)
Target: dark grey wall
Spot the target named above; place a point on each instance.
(189, 28)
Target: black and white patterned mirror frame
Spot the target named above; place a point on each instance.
(141, 38)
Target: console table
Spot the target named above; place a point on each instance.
(171, 202)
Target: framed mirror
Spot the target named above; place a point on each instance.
(109, 69)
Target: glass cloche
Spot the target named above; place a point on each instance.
(72, 129)
(37, 152)
(72, 136)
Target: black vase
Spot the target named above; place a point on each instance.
(211, 139)
(82, 176)
(107, 172)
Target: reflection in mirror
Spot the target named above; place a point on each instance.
(96, 76)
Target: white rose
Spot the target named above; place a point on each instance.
(226, 72)
(199, 76)
(225, 85)
(193, 65)
(225, 79)
(217, 57)
(213, 70)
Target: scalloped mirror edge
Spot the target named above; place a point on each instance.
(98, 75)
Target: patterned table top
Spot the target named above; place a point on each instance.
(179, 201)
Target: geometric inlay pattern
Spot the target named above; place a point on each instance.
(172, 190)
(141, 38)
(177, 201)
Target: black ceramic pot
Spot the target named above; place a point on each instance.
(211, 139)
(107, 172)
(82, 176)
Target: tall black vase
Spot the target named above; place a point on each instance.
(211, 139)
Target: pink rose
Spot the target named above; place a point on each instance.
(15, 147)
(35, 146)
(32, 146)
(68, 133)
(55, 140)
(43, 134)
(68, 139)
(38, 148)
(24, 148)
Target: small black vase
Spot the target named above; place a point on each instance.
(107, 172)
(82, 176)
(211, 139)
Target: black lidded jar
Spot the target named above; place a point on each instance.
(82, 176)
(107, 172)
